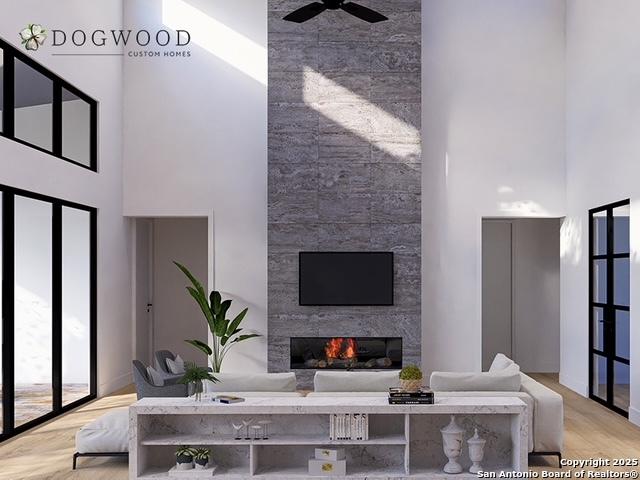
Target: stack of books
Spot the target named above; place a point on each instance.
(398, 396)
(349, 426)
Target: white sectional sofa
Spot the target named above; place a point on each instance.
(546, 411)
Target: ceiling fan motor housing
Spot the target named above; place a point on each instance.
(333, 4)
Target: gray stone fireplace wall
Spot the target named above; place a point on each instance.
(344, 165)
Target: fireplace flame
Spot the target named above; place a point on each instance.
(344, 348)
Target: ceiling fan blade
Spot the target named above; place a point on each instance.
(363, 13)
(306, 13)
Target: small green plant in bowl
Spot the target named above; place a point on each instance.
(411, 378)
(194, 376)
(184, 457)
(202, 457)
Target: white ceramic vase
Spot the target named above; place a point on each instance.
(452, 445)
(476, 451)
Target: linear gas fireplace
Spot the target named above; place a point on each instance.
(346, 353)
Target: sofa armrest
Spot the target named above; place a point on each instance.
(548, 420)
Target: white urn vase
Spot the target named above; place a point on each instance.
(476, 452)
(452, 445)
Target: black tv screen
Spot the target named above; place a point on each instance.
(346, 278)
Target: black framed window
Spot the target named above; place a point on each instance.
(609, 306)
(45, 112)
(48, 301)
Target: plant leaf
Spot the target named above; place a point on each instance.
(236, 322)
(202, 301)
(203, 347)
(222, 328)
(224, 307)
(198, 286)
(245, 337)
(215, 299)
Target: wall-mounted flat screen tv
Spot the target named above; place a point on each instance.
(346, 278)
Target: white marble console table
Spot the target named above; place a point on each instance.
(404, 440)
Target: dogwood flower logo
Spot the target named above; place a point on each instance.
(33, 36)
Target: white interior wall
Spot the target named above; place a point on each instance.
(603, 146)
(493, 129)
(204, 152)
(31, 170)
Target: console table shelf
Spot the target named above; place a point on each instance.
(404, 440)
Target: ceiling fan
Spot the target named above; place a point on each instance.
(316, 8)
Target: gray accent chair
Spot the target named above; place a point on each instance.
(160, 359)
(144, 387)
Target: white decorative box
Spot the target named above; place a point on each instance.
(193, 472)
(328, 468)
(330, 454)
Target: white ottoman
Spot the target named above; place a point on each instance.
(106, 436)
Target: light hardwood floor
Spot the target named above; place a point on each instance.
(45, 452)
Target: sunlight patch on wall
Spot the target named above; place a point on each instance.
(571, 240)
(524, 208)
(225, 43)
(360, 116)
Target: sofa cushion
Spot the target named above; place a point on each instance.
(176, 366)
(356, 381)
(107, 434)
(507, 380)
(155, 378)
(252, 382)
(548, 425)
(500, 362)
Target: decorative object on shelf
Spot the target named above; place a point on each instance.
(193, 377)
(201, 458)
(225, 332)
(236, 428)
(328, 462)
(411, 378)
(247, 422)
(452, 444)
(349, 426)
(330, 453)
(184, 457)
(424, 396)
(265, 428)
(257, 432)
(476, 452)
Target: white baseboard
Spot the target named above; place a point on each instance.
(114, 384)
(578, 387)
(634, 415)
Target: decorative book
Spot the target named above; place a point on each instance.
(228, 399)
(349, 426)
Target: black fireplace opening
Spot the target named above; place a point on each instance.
(346, 353)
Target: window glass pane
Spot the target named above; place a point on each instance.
(600, 281)
(600, 233)
(33, 106)
(622, 334)
(621, 281)
(599, 384)
(33, 310)
(76, 283)
(621, 229)
(76, 128)
(598, 328)
(1, 109)
(621, 385)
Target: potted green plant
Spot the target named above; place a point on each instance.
(193, 378)
(184, 457)
(411, 378)
(201, 458)
(225, 332)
